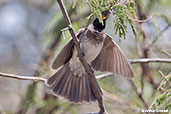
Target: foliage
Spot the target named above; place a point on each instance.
(121, 10)
(164, 84)
(163, 100)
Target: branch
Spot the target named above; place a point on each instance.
(138, 94)
(165, 78)
(166, 53)
(106, 94)
(140, 21)
(150, 60)
(19, 77)
(104, 76)
(132, 84)
(82, 59)
(39, 79)
(120, 101)
(158, 36)
(132, 61)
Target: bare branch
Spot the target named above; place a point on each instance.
(85, 28)
(82, 59)
(166, 53)
(104, 76)
(138, 94)
(165, 78)
(120, 101)
(140, 21)
(132, 84)
(157, 36)
(36, 79)
(150, 60)
(40, 79)
(132, 61)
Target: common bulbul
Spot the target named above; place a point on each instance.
(100, 51)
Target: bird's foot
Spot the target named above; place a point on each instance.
(91, 69)
(82, 54)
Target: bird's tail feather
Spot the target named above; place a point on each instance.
(74, 88)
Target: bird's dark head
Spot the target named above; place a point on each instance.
(99, 26)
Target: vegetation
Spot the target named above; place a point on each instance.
(129, 18)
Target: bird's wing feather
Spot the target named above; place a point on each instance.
(66, 53)
(111, 59)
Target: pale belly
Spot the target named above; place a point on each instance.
(90, 50)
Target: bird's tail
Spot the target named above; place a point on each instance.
(72, 87)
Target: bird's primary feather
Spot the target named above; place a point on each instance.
(112, 59)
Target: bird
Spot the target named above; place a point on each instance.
(70, 80)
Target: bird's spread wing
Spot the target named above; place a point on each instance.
(111, 59)
(66, 53)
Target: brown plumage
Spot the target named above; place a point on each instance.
(112, 59)
(74, 88)
(101, 52)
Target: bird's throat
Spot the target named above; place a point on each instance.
(99, 26)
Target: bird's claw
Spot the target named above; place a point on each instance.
(82, 54)
(91, 70)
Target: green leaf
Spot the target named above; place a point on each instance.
(162, 99)
(140, 2)
(164, 84)
(133, 27)
(166, 18)
(74, 3)
(122, 10)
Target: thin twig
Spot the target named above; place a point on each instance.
(140, 21)
(104, 75)
(138, 94)
(150, 60)
(64, 29)
(166, 53)
(157, 37)
(38, 79)
(120, 101)
(142, 84)
(85, 28)
(19, 77)
(165, 78)
(89, 5)
(132, 61)
(106, 94)
(132, 84)
(82, 59)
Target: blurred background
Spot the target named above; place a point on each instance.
(30, 37)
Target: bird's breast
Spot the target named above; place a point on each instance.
(91, 47)
(91, 44)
